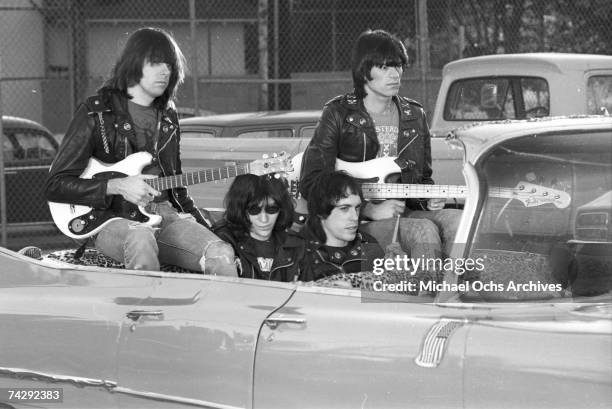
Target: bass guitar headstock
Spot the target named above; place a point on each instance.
(275, 163)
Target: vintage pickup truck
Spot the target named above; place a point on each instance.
(514, 86)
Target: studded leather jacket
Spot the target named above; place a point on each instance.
(288, 255)
(346, 131)
(103, 129)
(321, 261)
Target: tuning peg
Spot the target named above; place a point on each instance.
(274, 155)
(265, 156)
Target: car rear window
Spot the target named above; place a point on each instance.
(21, 145)
(599, 94)
(495, 98)
(199, 134)
(307, 132)
(267, 133)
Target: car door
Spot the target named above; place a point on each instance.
(193, 342)
(540, 356)
(331, 348)
(60, 327)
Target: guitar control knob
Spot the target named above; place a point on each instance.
(77, 225)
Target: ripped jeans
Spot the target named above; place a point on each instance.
(177, 240)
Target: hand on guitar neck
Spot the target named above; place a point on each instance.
(134, 189)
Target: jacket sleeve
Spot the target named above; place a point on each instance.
(427, 171)
(321, 153)
(180, 194)
(64, 184)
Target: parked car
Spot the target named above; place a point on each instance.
(29, 149)
(533, 328)
(213, 141)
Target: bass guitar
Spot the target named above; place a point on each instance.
(374, 172)
(80, 222)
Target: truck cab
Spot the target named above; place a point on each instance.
(514, 86)
(521, 86)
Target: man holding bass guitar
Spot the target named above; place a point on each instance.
(375, 122)
(134, 112)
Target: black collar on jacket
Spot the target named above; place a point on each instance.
(350, 102)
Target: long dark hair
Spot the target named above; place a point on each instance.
(250, 190)
(328, 189)
(148, 44)
(372, 49)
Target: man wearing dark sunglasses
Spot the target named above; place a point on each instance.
(258, 212)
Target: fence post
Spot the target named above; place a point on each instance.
(193, 28)
(423, 35)
(276, 54)
(262, 38)
(3, 222)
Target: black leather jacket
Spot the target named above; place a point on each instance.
(287, 258)
(84, 140)
(346, 131)
(319, 262)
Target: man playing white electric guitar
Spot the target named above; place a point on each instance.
(133, 114)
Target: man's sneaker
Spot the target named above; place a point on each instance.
(31, 251)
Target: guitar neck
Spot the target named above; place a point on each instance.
(201, 176)
(400, 191)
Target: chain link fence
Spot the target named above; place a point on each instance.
(246, 55)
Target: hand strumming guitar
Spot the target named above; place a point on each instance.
(134, 189)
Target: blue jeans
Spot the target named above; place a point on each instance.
(421, 233)
(447, 222)
(177, 240)
(417, 237)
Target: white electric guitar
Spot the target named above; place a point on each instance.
(79, 221)
(374, 172)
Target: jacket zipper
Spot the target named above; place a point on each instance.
(164, 172)
(364, 147)
(407, 145)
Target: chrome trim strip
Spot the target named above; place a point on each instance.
(170, 398)
(110, 386)
(434, 345)
(27, 374)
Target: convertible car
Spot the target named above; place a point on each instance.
(521, 319)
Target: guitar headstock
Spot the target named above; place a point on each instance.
(536, 195)
(274, 163)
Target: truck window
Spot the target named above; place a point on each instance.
(495, 98)
(599, 94)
